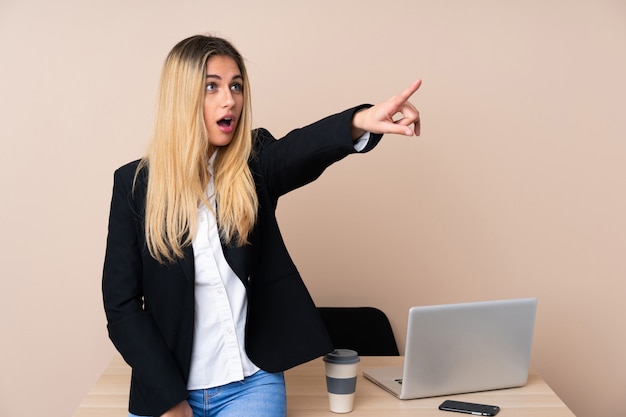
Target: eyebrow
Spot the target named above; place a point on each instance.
(236, 77)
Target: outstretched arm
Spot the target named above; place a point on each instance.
(379, 118)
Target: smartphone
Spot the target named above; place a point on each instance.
(469, 408)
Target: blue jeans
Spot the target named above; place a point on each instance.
(260, 395)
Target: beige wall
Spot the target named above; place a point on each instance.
(515, 189)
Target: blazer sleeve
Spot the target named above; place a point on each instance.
(132, 330)
(303, 154)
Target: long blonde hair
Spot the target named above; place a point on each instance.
(178, 156)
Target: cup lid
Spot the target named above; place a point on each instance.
(342, 356)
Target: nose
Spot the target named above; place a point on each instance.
(228, 100)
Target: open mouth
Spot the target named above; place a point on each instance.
(225, 122)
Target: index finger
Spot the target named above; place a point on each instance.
(406, 94)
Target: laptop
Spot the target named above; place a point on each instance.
(460, 348)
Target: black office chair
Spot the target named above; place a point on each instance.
(364, 329)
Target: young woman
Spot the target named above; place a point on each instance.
(201, 296)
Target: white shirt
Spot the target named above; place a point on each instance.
(218, 354)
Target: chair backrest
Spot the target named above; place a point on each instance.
(364, 329)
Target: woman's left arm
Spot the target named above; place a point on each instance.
(303, 154)
(380, 118)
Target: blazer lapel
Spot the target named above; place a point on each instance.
(187, 265)
(239, 259)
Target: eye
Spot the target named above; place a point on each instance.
(210, 87)
(237, 87)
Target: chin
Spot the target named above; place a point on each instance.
(221, 141)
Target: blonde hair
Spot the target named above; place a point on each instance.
(178, 156)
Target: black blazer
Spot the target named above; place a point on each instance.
(150, 307)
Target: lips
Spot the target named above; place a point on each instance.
(226, 124)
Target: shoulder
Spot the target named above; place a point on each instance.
(260, 136)
(130, 176)
(128, 169)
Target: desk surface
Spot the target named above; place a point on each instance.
(306, 395)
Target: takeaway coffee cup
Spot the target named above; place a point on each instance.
(341, 370)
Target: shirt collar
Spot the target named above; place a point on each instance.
(212, 161)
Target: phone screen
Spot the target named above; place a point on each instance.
(470, 408)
